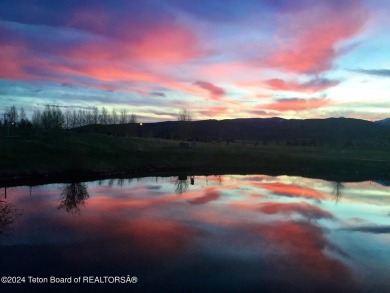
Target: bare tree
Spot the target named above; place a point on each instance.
(52, 117)
(90, 119)
(12, 116)
(338, 188)
(4, 118)
(123, 116)
(81, 117)
(36, 119)
(133, 118)
(8, 214)
(95, 115)
(184, 115)
(114, 116)
(181, 184)
(23, 120)
(74, 121)
(68, 118)
(22, 115)
(104, 117)
(73, 196)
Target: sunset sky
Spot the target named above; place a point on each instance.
(217, 58)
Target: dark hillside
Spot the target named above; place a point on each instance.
(384, 122)
(339, 131)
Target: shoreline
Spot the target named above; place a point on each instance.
(42, 178)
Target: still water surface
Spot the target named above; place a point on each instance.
(204, 233)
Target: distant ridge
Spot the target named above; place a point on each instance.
(385, 122)
(321, 131)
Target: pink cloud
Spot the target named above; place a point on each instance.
(142, 59)
(173, 237)
(305, 243)
(297, 104)
(11, 65)
(313, 36)
(169, 43)
(261, 113)
(211, 194)
(302, 208)
(214, 91)
(291, 190)
(102, 73)
(166, 42)
(212, 111)
(228, 70)
(312, 86)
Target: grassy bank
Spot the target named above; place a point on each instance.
(67, 154)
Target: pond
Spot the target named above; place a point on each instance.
(197, 233)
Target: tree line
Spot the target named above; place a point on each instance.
(52, 117)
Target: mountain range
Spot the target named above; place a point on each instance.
(385, 122)
(261, 130)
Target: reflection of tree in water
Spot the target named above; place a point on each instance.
(181, 184)
(8, 214)
(337, 191)
(120, 182)
(111, 182)
(72, 197)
